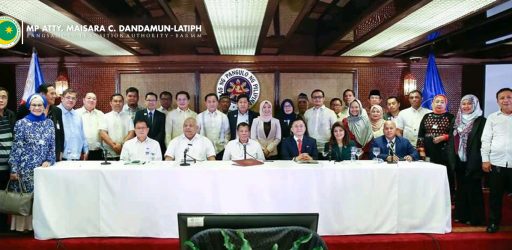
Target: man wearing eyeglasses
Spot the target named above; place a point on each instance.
(319, 119)
(141, 147)
(75, 143)
(154, 118)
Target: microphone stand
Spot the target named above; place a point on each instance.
(194, 159)
(105, 154)
(184, 163)
(391, 154)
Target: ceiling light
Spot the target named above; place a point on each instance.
(34, 12)
(429, 17)
(236, 24)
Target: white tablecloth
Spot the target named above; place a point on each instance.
(85, 199)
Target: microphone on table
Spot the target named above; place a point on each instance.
(185, 155)
(184, 163)
(105, 155)
(391, 154)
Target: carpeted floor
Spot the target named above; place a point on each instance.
(463, 237)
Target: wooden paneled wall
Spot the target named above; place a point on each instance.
(104, 75)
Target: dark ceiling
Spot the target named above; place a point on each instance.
(290, 27)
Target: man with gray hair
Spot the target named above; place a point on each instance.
(392, 147)
(191, 144)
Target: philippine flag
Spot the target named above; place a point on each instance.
(34, 77)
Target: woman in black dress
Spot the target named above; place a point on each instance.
(434, 133)
(465, 157)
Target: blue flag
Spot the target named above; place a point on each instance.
(433, 84)
(34, 77)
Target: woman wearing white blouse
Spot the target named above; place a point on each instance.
(266, 130)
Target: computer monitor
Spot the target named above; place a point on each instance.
(191, 223)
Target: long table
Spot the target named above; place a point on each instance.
(86, 199)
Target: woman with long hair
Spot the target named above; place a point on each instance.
(338, 147)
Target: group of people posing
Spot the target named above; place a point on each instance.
(42, 133)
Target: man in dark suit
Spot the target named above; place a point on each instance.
(299, 146)
(155, 119)
(53, 113)
(401, 147)
(242, 114)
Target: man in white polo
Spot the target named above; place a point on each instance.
(141, 147)
(409, 119)
(194, 145)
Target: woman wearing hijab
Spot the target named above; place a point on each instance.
(377, 120)
(267, 131)
(465, 157)
(339, 144)
(434, 133)
(33, 146)
(358, 127)
(286, 117)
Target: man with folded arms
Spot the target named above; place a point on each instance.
(194, 145)
(401, 147)
(235, 148)
(141, 147)
(116, 128)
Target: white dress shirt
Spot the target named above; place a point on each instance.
(214, 126)
(497, 140)
(174, 123)
(242, 117)
(92, 121)
(131, 111)
(165, 111)
(409, 121)
(117, 125)
(147, 150)
(235, 150)
(199, 148)
(319, 122)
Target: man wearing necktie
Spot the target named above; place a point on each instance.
(393, 147)
(155, 119)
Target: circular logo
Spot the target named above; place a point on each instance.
(10, 32)
(236, 82)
